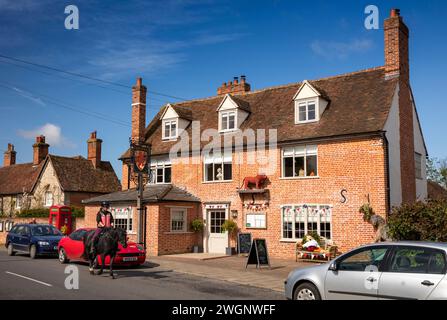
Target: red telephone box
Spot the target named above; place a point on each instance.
(61, 218)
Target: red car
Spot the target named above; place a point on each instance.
(72, 248)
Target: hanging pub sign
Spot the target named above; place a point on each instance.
(258, 254)
(139, 155)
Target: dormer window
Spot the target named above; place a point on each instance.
(170, 129)
(228, 121)
(309, 104)
(306, 111)
(232, 112)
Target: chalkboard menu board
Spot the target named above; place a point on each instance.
(258, 253)
(243, 243)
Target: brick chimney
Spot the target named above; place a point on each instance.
(40, 150)
(234, 86)
(94, 149)
(138, 111)
(396, 47)
(9, 157)
(397, 64)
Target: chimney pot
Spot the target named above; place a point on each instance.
(9, 157)
(395, 12)
(40, 150)
(139, 82)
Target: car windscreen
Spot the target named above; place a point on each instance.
(45, 231)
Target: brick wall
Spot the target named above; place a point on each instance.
(355, 165)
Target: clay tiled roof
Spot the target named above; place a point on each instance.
(79, 175)
(152, 193)
(435, 191)
(19, 178)
(358, 103)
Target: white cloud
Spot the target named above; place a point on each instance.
(340, 50)
(53, 135)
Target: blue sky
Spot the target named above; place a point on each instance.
(187, 49)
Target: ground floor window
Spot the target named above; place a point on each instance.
(178, 220)
(48, 199)
(123, 218)
(299, 220)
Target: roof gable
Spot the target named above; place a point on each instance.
(305, 91)
(232, 102)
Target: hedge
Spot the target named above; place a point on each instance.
(78, 212)
(419, 221)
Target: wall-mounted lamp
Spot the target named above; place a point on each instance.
(234, 214)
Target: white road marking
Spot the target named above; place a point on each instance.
(31, 279)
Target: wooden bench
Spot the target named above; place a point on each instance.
(327, 252)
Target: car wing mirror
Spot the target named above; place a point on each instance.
(333, 266)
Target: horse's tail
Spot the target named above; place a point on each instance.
(87, 243)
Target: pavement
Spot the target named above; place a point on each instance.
(231, 269)
(44, 279)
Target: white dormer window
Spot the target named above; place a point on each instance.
(306, 111)
(309, 104)
(170, 129)
(228, 121)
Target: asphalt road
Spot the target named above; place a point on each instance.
(44, 278)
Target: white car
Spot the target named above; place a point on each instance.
(390, 270)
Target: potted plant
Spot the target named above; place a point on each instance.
(197, 226)
(230, 226)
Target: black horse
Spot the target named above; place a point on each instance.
(107, 245)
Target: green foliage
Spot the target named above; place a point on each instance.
(230, 226)
(367, 211)
(312, 235)
(77, 212)
(437, 171)
(419, 221)
(197, 225)
(34, 213)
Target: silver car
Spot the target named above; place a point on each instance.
(389, 270)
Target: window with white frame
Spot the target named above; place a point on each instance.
(301, 161)
(123, 218)
(161, 170)
(178, 220)
(300, 220)
(18, 201)
(418, 165)
(227, 120)
(48, 199)
(306, 111)
(218, 168)
(170, 129)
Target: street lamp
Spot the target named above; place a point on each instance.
(140, 175)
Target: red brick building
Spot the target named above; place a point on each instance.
(341, 142)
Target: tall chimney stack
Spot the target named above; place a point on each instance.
(138, 111)
(94, 149)
(9, 157)
(396, 47)
(40, 150)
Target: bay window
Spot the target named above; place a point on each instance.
(300, 220)
(300, 161)
(218, 168)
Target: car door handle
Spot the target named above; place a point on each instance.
(371, 279)
(427, 283)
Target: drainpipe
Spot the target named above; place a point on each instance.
(387, 165)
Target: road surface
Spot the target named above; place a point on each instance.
(44, 278)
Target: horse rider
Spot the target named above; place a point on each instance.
(104, 219)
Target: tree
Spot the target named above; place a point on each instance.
(437, 171)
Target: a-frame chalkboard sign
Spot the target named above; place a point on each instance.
(258, 254)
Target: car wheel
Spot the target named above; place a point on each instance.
(33, 252)
(11, 251)
(306, 291)
(63, 256)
